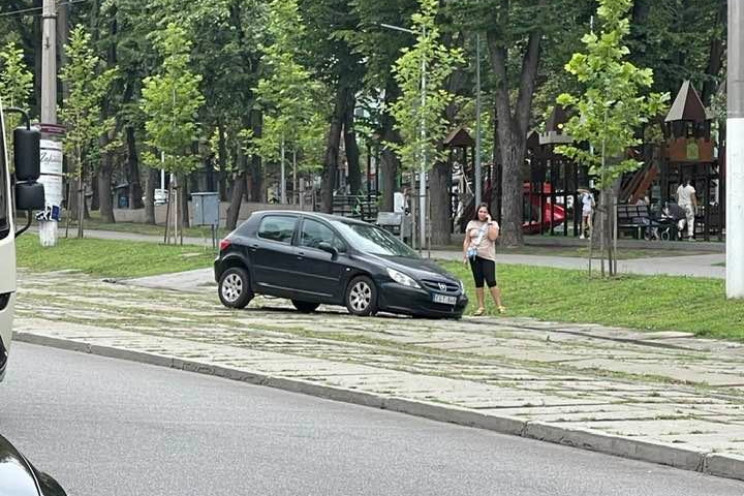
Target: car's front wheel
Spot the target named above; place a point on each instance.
(361, 296)
(305, 306)
(234, 288)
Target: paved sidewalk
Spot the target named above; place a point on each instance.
(665, 397)
(692, 266)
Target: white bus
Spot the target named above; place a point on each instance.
(29, 196)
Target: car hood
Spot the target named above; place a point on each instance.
(418, 268)
(16, 475)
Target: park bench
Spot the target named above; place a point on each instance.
(636, 218)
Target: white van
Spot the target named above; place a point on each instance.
(29, 196)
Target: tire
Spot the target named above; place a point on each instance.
(361, 297)
(305, 306)
(234, 288)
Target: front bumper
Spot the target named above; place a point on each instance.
(396, 298)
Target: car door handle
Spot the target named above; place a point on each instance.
(254, 247)
(300, 255)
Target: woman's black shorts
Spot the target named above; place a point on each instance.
(483, 270)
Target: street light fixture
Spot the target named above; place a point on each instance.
(422, 172)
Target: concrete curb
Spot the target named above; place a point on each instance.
(727, 466)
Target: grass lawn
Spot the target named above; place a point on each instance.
(105, 258)
(639, 302)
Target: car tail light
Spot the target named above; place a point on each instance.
(225, 244)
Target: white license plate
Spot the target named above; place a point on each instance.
(445, 300)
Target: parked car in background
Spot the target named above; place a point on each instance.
(315, 259)
(18, 477)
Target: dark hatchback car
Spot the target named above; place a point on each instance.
(315, 259)
(18, 477)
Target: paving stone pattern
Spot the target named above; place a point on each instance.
(661, 387)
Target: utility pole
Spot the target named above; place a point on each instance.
(735, 153)
(478, 139)
(51, 163)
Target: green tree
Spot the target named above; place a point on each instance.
(16, 84)
(171, 100)
(419, 112)
(88, 82)
(287, 93)
(612, 107)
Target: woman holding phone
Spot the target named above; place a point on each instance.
(479, 250)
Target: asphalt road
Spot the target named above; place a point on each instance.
(108, 427)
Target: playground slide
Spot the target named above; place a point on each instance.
(533, 227)
(558, 211)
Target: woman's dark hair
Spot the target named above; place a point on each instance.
(477, 209)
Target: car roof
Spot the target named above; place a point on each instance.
(317, 215)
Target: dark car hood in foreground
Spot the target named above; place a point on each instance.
(19, 478)
(418, 268)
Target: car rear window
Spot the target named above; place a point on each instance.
(279, 228)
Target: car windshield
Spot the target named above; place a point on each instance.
(373, 240)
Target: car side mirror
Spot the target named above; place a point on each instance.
(328, 248)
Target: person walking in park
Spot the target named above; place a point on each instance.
(479, 250)
(687, 200)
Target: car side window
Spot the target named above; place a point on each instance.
(279, 228)
(313, 233)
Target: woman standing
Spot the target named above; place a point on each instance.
(479, 249)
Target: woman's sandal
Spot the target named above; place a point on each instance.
(479, 312)
(502, 309)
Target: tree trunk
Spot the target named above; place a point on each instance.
(95, 199)
(222, 159)
(239, 187)
(152, 180)
(717, 51)
(512, 129)
(104, 189)
(352, 148)
(105, 173)
(440, 178)
(135, 184)
(183, 200)
(330, 165)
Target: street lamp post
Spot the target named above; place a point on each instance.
(422, 170)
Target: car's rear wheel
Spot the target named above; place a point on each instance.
(305, 306)
(361, 296)
(234, 288)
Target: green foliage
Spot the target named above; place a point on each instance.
(171, 100)
(612, 108)
(413, 113)
(16, 84)
(16, 81)
(291, 99)
(88, 84)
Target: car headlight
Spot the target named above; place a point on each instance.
(462, 287)
(402, 279)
